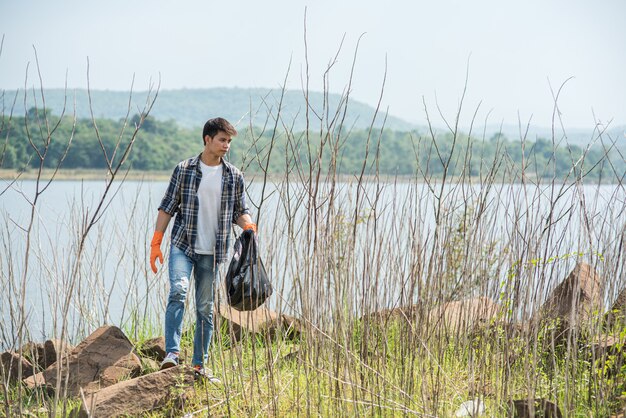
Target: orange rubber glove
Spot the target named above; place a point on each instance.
(250, 226)
(155, 250)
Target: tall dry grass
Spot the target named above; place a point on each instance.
(362, 261)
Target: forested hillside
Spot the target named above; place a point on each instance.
(190, 108)
(161, 144)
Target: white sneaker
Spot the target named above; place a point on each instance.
(170, 360)
(203, 373)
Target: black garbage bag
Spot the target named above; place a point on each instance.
(247, 284)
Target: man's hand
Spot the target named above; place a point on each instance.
(155, 250)
(251, 226)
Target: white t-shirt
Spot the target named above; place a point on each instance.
(209, 203)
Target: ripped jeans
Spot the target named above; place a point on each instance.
(205, 277)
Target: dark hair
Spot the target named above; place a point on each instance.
(213, 126)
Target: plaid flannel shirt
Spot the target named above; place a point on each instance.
(181, 200)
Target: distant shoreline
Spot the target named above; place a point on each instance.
(84, 174)
(9, 175)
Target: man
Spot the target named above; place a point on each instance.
(206, 195)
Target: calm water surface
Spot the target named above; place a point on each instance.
(115, 284)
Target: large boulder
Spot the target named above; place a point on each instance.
(154, 348)
(620, 302)
(260, 321)
(577, 299)
(607, 352)
(9, 367)
(463, 315)
(138, 396)
(404, 313)
(618, 309)
(534, 408)
(606, 345)
(42, 355)
(102, 359)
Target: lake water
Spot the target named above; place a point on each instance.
(339, 245)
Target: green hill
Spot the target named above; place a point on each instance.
(562, 136)
(190, 108)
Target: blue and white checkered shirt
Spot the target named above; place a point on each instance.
(181, 200)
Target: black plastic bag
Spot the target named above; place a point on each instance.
(247, 284)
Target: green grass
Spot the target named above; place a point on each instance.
(398, 373)
(340, 246)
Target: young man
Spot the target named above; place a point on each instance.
(206, 195)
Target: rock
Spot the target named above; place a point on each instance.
(154, 348)
(473, 408)
(620, 302)
(289, 359)
(51, 349)
(260, 321)
(608, 353)
(44, 355)
(501, 330)
(35, 353)
(618, 309)
(576, 299)
(139, 395)
(285, 325)
(408, 313)
(535, 408)
(102, 359)
(250, 321)
(149, 365)
(463, 315)
(9, 365)
(605, 345)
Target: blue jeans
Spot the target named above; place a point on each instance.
(205, 276)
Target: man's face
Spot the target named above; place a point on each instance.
(219, 144)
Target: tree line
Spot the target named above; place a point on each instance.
(161, 144)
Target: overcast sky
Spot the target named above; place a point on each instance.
(513, 52)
